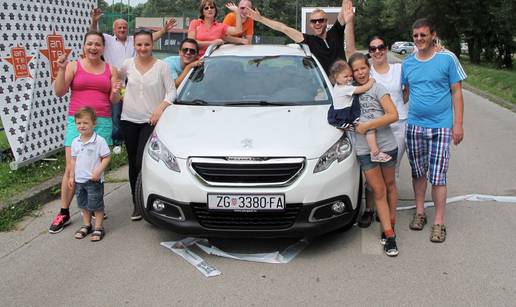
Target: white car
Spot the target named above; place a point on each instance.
(246, 150)
(403, 47)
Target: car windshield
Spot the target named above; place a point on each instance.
(251, 81)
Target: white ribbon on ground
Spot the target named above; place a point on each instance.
(469, 197)
(182, 248)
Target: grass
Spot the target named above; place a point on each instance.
(3, 139)
(15, 182)
(497, 82)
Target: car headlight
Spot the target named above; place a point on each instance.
(158, 151)
(338, 151)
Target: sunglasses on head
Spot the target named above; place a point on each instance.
(142, 31)
(189, 50)
(318, 20)
(209, 7)
(373, 49)
(422, 35)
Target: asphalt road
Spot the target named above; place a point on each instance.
(475, 266)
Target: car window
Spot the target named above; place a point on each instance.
(264, 80)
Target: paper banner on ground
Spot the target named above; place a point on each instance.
(182, 248)
(469, 197)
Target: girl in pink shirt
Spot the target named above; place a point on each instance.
(207, 31)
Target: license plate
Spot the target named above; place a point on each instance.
(246, 202)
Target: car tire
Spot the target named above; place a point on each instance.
(359, 205)
(140, 204)
(403, 51)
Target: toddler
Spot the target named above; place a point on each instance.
(90, 157)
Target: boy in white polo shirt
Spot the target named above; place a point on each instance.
(90, 157)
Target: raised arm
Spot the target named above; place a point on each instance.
(294, 34)
(64, 75)
(349, 33)
(237, 29)
(169, 25)
(96, 14)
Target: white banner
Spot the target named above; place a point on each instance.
(33, 34)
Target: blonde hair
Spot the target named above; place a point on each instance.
(86, 111)
(338, 67)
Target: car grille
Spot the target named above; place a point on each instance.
(259, 172)
(246, 220)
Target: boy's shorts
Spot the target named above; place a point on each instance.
(90, 195)
(428, 150)
(366, 163)
(104, 127)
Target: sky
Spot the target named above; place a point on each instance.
(135, 2)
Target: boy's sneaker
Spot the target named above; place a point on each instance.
(59, 222)
(365, 220)
(380, 157)
(390, 247)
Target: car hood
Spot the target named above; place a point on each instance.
(202, 131)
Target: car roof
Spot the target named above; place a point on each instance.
(258, 50)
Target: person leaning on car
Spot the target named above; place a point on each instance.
(327, 46)
(181, 64)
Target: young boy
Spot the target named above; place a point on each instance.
(90, 157)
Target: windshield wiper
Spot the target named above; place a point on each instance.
(258, 103)
(192, 102)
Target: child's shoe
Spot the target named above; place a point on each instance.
(380, 157)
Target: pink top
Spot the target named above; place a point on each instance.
(215, 31)
(91, 90)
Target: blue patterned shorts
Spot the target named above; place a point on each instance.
(90, 195)
(428, 150)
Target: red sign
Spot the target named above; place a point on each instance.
(20, 62)
(55, 45)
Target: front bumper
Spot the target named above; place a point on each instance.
(183, 202)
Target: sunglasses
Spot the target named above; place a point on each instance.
(210, 7)
(422, 35)
(318, 20)
(142, 31)
(189, 50)
(373, 49)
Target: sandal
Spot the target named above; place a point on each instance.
(83, 232)
(97, 235)
(418, 222)
(438, 233)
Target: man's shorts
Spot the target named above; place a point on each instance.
(103, 128)
(366, 163)
(90, 195)
(428, 150)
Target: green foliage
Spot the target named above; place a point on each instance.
(10, 216)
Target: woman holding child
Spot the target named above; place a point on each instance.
(377, 112)
(90, 81)
(207, 30)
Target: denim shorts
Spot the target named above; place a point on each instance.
(90, 195)
(366, 163)
(103, 128)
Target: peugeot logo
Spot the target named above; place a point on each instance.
(247, 143)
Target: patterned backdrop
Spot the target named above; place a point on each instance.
(33, 34)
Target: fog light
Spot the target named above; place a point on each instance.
(338, 207)
(158, 205)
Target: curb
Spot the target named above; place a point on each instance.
(499, 101)
(37, 195)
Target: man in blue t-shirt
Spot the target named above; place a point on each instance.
(432, 81)
(181, 65)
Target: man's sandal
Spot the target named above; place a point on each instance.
(83, 232)
(97, 235)
(438, 233)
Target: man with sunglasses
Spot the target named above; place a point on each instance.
(181, 65)
(246, 36)
(119, 47)
(432, 81)
(327, 46)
